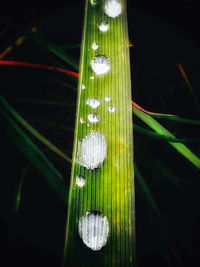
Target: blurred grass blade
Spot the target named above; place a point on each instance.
(46, 102)
(148, 196)
(17, 197)
(157, 127)
(62, 84)
(55, 49)
(37, 158)
(32, 130)
(164, 137)
(66, 47)
(177, 119)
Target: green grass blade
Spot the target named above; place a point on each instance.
(164, 137)
(177, 119)
(148, 196)
(55, 50)
(32, 130)
(66, 47)
(157, 127)
(45, 102)
(37, 158)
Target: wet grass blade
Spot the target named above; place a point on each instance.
(157, 127)
(32, 130)
(164, 137)
(55, 50)
(36, 157)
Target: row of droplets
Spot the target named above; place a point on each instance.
(92, 150)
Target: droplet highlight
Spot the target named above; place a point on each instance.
(91, 77)
(95, 46)
(82, 120)
(82, 86)
(103, 26)
(93, 2)
(92, 150)
(107, 98)
(100, 64)
(93, 229)
(111, 109)
(80, 181)
(93, 102)
(113, 8)
(93, 117)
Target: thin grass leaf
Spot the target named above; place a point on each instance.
(55, 49)
(164, 137)
(62, 84)
(177, 119)
(32, 130)
(157, 127)
(37, 158)
(149, 197)
(45, 102)
(17, 197)
(66, 47)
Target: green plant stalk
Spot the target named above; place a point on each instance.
(109, 189)
(157, 127)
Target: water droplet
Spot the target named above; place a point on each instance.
(88, 125)
(82, 120)
(100, 64)
(80, 181)
(93, 117)
(113, 8)
(92, 150)
(111, 109)
(83, 87)
(91, 77)
(93, 229)
(93, 102)
(93, 2)
(95, 46)
(103, 26)
(107, 98)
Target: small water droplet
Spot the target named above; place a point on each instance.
(100, 64)
(92, 150)
(93, 229)
(93, 102)
(80, 181)
(88, 125)
(82, 120)
(113, 8)
(103, 26)
(95, 46)
(107, 98)
(83, 87)
(111, 109)
(93, 117)
(91, 77)
(93, 2)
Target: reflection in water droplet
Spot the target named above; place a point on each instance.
(111, 109)
(83, 87)
(93, 117)
(80, 181)
(93, 2)
(93, 102)
(91, 77)
(93, 228)
(100, 64)
(103, 26)
(113, 8)
(82, 120)
(95, 46)
(92, 150)
(107, 98)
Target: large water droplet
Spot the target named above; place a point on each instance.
(111, 109)
(113, 8)
(93, 228)
(92, 150)
(93, 117)
(107, 98)
(80, 181)
(95, 46)
(100, 64)
(93, 102)
(103, 26)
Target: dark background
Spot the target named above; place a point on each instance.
(164, 33)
